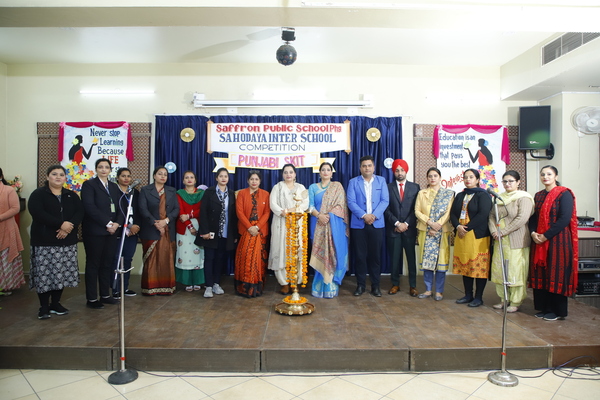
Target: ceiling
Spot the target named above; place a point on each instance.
(444, 32)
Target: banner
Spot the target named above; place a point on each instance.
(272, 145)
(481, 147)
(80, 144)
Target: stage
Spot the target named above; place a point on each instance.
(186, 332)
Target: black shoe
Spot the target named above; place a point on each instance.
(109, 300)
(129, 292)
(44, 313)
(553, 317)
(540, 314)
(116, 295)
(58, 309)
(94, 304)
(464, 300)
(475, 303)
(375, 291)
(359, 290)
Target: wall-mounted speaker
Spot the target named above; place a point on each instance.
(534, 128)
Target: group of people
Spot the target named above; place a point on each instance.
(188, 235)
(535, 239)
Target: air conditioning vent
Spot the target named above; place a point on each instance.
(565, 44)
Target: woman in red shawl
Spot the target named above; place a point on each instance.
(553, 268)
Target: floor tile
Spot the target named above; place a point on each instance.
(580, 389)
(466, 382)
(42, 379)
(548, 381)
(211, 383)
(561, 397)
(5, 373)
(15, 386)
(489, 391)
(142, 380)
(379, 383)
(339, 389)
(419, 388)
(175, 388)
(297, 385)
(94, 388)
(253, 387)
(29, 397)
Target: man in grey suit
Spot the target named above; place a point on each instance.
(401, 227)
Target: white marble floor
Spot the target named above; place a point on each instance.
(93, 385)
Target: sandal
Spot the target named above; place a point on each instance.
(189, 289)
(196, 287)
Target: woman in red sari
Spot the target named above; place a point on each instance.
(253, 211)
(554, 254)
(159, 209)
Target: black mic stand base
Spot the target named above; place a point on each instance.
(503, 378)
(122, 377)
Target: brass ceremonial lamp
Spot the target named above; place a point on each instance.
(294, 264)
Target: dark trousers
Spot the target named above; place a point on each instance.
(129, 247)
(367, 244)
(46, 296)
(214, 261)
(396, 245)
(548, 302)
(479, 287)
(99, 256)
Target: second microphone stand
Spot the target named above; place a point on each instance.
(502, 377)
(123, 375)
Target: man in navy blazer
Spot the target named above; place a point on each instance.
(401, 227)
(368, 197)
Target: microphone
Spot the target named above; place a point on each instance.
(134, 184)
(496, 195)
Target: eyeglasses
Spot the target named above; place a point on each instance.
(506, 182)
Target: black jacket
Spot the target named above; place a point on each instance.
(48, 215)
(98, 205)
(122, 208)
(149, 202)
(479, 211)
(210, 214)
(402, 211)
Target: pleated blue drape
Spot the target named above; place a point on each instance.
(193, 156)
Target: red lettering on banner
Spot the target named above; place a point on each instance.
(297, 161)
(258, 162)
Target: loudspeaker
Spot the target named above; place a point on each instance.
(534, 128)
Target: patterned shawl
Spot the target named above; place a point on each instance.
(334, 201)
(432, 243)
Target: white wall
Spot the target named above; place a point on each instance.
(3, 79)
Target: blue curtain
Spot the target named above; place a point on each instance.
(193, 156)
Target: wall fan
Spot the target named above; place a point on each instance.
(586, 120)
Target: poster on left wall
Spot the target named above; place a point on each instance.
(80, 144)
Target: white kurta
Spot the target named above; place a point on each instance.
(281, 198)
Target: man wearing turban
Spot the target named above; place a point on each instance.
(401, 227)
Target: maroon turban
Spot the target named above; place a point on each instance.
(400, 163)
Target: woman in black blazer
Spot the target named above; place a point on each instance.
(100, 222)
(124, 180)
(218, 230)
(159, 210)
(56, 213)
(469, 215)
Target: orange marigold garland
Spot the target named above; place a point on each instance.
(292, 248)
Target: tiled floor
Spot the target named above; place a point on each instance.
(93, 385)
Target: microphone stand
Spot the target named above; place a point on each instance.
(502, 377)
(124, 375)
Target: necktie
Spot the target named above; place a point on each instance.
(401, 191)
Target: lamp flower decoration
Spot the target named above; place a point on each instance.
(16, 183)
